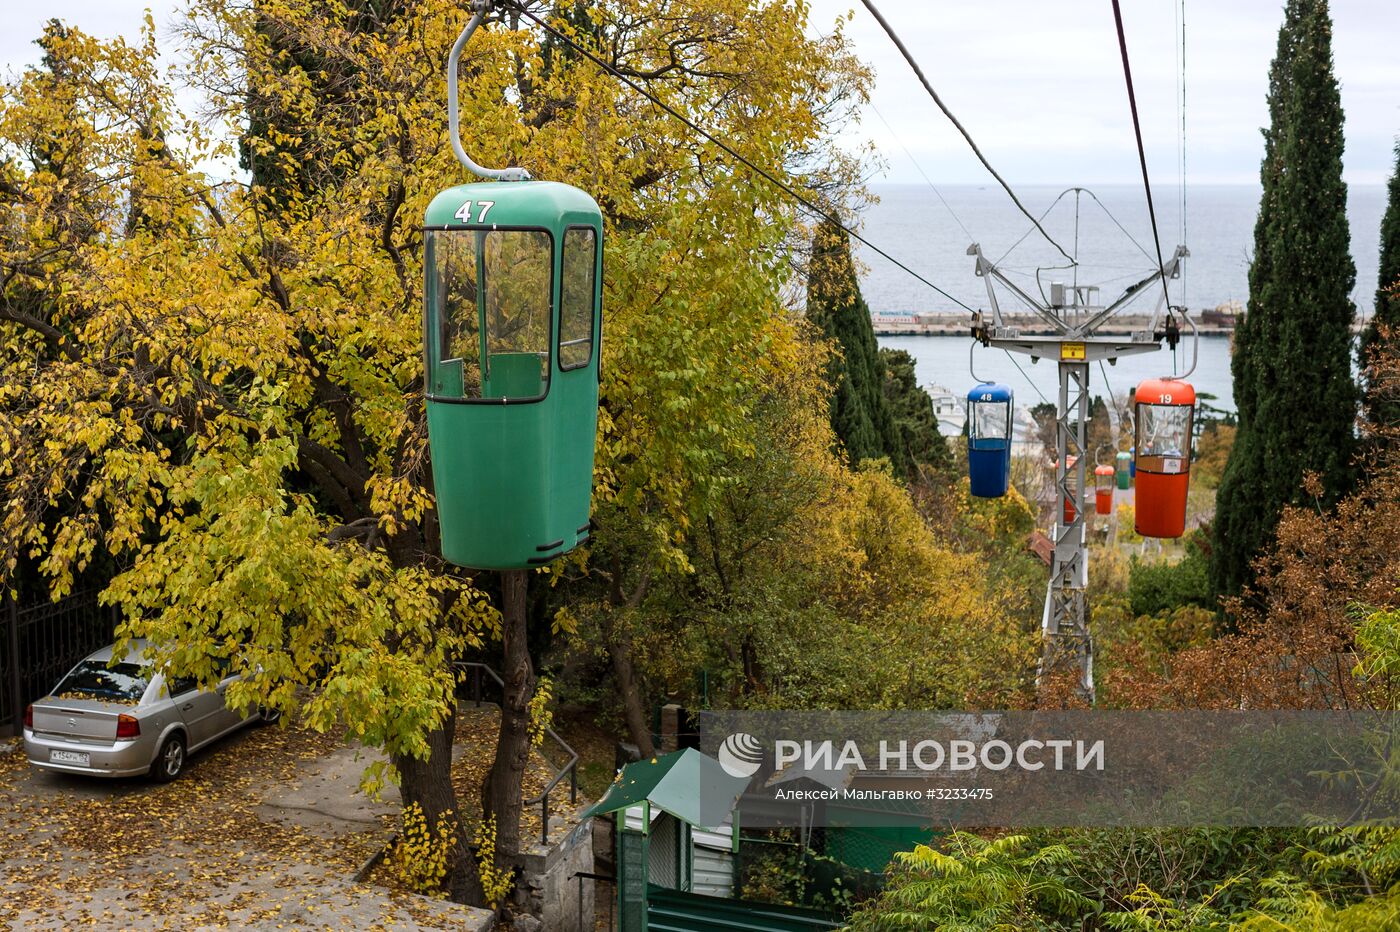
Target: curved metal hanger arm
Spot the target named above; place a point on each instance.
(479, 10)
(1195, 346)
(970, 349)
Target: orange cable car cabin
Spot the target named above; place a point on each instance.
(1103, 489)
(1163, 412)
(1070, 509)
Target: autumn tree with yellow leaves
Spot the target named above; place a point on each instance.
(213, 378)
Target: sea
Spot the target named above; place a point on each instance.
(1106, 227)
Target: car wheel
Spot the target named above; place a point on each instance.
(170, 762)
(269, 716)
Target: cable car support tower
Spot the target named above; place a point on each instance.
(1074, 316)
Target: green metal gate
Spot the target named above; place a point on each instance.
(632, 881)
(672, 911)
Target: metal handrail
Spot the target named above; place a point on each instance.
(581, 876)
(570, 769)
(480, 668)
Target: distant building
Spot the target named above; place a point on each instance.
(1225, 316)
(1041, 546)
(951, 410)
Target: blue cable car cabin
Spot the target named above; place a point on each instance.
(989, 408)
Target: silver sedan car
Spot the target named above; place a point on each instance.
(117, 720)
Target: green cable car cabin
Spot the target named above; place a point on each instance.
(512, 333)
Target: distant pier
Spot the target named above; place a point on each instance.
(942, 324)
(1218, 322)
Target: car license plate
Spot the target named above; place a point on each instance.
(69, 757)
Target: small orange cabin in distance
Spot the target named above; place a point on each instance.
(1103, 489)
(1163, 411)
(1070, 511)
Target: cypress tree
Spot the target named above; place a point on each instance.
(912, 409)
(1240, 476)
(860, 412)
(1387, 313)
(1292, 359)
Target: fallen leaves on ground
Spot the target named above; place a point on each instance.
(124, 854)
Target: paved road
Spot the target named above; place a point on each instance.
(264, 831)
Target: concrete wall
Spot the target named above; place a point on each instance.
(549, 889)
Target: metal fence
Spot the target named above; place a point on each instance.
(43, 641)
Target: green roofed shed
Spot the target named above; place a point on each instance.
(656, 803)
(686, 783)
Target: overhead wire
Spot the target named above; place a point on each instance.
(781, 185)
(958, 220)
(1108, 213)
(1182, 180)
(1035, 388)
(1127, 276)
(787, 189)
(1026, 234)
(908, 57)
(1120, 414)
(1122, 229)
(1036, 222)
(1017, 364)
(1142, 153)
(915, 162)
(962, 226)
(1073, 263)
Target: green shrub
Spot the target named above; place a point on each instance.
(1160, 587)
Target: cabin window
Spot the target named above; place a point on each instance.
(490, 320)
(577, 295)
(990, 419)
(1164, 438)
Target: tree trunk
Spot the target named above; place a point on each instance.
(626, 675)
(429, 784)
(501, 792)
(752, 678)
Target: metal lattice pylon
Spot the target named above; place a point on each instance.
(1065, 623)
(1072, 316)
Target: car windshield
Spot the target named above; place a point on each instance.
(92, 679)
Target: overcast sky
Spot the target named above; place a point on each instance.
(1039, 84)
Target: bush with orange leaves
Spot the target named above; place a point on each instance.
(1292, 640)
